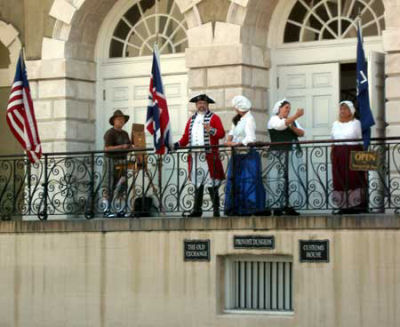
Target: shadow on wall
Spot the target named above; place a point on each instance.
(8, 144)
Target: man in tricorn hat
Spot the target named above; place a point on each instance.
(115, 163)
(204, 128)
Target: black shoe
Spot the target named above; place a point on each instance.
(111, 215)
(337, 212)
(214, 200)
(194, 214)
(121, 214)
(278, 212)
(358, 210)
(291, 212)
(264, 213)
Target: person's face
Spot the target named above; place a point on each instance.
(238, 112)
(202, 106)
(284, 111)
(119, 122)
(345, 113)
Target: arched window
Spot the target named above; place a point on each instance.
(143, 24)
(313, 20)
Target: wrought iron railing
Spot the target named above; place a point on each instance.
(76, 184)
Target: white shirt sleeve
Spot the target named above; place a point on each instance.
(357, 129)
(333, 130)
(299, 126)
(250, 131)
(231, 131)
(277, 123)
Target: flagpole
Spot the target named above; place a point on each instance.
(22, 57)
(159, 159)
(157, 23)
(359, 26)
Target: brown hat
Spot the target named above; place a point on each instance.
(118, 113)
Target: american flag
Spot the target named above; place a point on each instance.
(157, 121)
(20, 114)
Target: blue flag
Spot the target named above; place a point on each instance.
(366, 117)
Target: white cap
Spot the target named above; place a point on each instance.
(350, 105)
(241, 103)
(278, 105)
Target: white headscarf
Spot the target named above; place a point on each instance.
(241, 103)
(278, 105)
(350, 105)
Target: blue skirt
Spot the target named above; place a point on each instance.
(244, 192)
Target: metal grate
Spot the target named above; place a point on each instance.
(262, 285)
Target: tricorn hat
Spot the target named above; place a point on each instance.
(118, 113)
(202, 97)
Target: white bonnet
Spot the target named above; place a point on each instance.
(278, 105)
(350, 105)
(241, 103)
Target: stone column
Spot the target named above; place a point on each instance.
(220, 65)
(63, 91)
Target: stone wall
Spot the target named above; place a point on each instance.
(391, 42)
(132, 272)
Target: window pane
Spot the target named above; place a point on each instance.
(307, 19)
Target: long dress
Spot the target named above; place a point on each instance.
(349, 186)
(245, 192)
(286, 185)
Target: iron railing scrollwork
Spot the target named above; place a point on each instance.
(75, 184)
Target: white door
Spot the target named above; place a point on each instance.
(125, 86)
(131, 97)
(376, 80)
(316, 89)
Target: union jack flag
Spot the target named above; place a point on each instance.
(157, 121)
(20, 114)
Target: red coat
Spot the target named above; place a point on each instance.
(212, 155)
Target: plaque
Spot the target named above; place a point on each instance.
(314, 251)
(254, 242)
(196, 250)
(364, 160)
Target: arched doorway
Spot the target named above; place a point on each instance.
(10, 46)
(123, 55)
(313, 55)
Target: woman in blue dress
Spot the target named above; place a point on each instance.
(245, 192)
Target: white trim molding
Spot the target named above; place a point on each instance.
(9, 36)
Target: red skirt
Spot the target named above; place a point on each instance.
(345, 179)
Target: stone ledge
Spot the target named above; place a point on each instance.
(361, 222)
(225, 55)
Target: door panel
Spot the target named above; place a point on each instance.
(316, 89)
(130, 95)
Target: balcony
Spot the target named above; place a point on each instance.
(74, 185)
